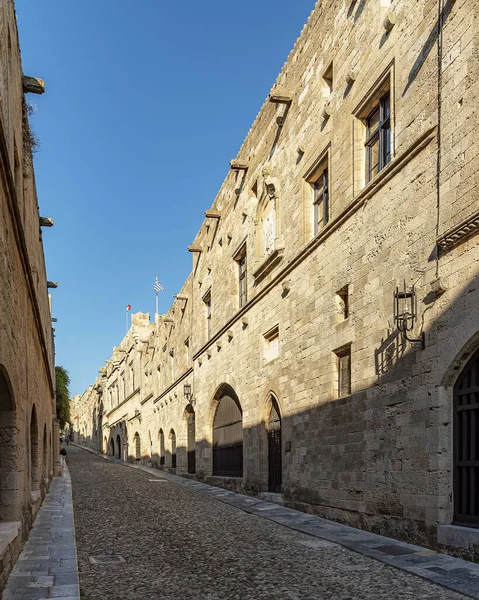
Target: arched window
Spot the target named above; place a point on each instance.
(173, 449)
(466, 444)
(137, 445)
(274, 448)
(190, 424)
(228, 437)
(34, 452)
(8, 451)
(161, 437)
(118, 446)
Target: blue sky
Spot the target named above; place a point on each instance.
(146, 103)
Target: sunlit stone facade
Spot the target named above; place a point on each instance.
(28, 430)
(358, 177)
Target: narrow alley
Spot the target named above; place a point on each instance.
(177, 543)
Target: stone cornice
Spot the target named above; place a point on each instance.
(173, 385)
(137, 391)
(459, 233)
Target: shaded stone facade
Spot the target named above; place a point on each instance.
(27, 392)
(357, 182)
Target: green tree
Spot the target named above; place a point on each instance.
(63, 396)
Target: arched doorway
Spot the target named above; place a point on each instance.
(34, 452)
(228, 436)
(118, 446)
(105, 445)
(466, 444)
(191, 442)
(9, 507)
(45, 452)
(275, 469)
(137, 445)
(112, 447)
(173, 449)
(161, 437)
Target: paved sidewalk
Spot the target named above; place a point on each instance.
(452, 573)
(47, 567)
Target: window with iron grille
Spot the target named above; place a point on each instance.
(378, 137)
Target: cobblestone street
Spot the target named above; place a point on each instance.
(179, 543)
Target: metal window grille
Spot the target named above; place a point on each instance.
(378, 137)
(466, 445)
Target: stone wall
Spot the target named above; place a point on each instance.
(379, 457)
(26, 345)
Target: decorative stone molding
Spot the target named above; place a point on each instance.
(237, 165)
(458, 234)
(270, 262)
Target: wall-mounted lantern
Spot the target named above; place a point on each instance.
(138, 415)
(405, 313)
(187, 390)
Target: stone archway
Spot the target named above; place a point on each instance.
(161, 444)
(173, 449)
(137, 446)
(191, 438)
(35, 472)
(228, 435)
(466, 444)
(9, 507)
(118, 446)
(273, 429)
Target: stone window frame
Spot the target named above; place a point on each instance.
(321, 164)
(382, 86)
(240, 256)
(271, 344)
(343, 385)
(207, 304)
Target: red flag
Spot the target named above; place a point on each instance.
(128, 307)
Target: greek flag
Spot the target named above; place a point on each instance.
(158, 287)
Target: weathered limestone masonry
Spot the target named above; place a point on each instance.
(359, 176)
(27, 406)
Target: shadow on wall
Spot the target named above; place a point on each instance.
(382, 458)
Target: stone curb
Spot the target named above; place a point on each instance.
(445, 570)
(48, 566)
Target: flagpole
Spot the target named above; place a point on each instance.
(156, 313)
(126, 331)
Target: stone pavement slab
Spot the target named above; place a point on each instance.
(47, 567)
(452, 573)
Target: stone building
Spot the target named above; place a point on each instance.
(324, 349)
(27, 383)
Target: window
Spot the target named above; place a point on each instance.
(321, 199)
(271, 344)
(123, 385)
(378, 137)
(240, 258)
(344, 371)
(207, 302)
(316, 195)
(343, 296)
(132, 378)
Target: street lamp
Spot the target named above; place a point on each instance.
(405, 313)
